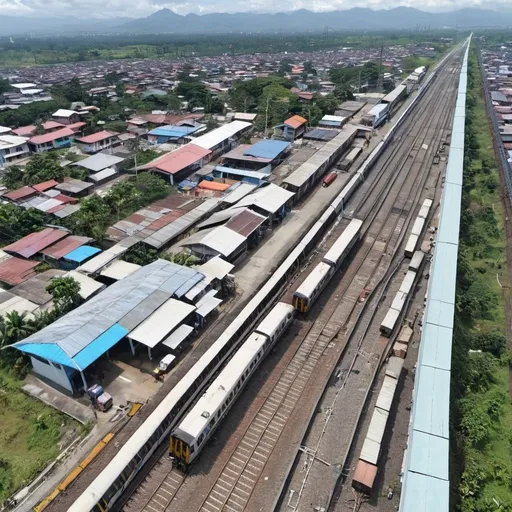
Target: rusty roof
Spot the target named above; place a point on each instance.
(31, 244)
(246, 222)
(45, 185)
(295, 121)
(176, 161)
(65, 246)
(14, 270)
(20, 193)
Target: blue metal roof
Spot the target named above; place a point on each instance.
(50, 351)
(450, 212)
(425, 494)
(174, 131)
(82, 253)
(99, 346)
(436, 346)
(321, 134)
(267, 148)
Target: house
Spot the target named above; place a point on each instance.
(100, 162)
(12, 149)
(291, 129)
(5, 130)
(96, 142)
(175, 134)
(65, 116)
(262, 155)
(53, 140)
(179, 164)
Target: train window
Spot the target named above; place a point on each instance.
(212, 422)
(200, 439)
(192, 448)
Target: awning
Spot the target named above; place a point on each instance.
(207, 303)
(178, 337)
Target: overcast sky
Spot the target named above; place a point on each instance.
(139, 8)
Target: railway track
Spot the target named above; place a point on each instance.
(237, 479)
(362, 357)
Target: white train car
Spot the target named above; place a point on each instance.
(417, 228)
(416, 261)
(310, 289)
(203, 419)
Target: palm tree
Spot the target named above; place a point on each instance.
(17, 327)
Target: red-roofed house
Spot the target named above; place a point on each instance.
(179, 164)
(14, 271)
(51, 126)
(19, 194)
(30, 245)
(45, 185)
(25, 131)
(77, 127)
(291, 129)
(52, 140)
(96, 142)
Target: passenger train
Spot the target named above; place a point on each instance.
(310, 289)
(191, 435)
(110, 484)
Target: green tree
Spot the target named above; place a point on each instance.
(16, 222)
(494, 342)
(43, 167)
(13, 177)
(16, 327)
(173, 102)
(4, 86)
(327, 104)
(65, 292)
(181, 258)
(92, 219)
(312, 113)
(140, 255)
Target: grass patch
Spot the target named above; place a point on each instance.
(30, 435)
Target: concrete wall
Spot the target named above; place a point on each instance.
(52, 373)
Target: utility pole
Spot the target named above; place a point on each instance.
(381, 71)
(266, 116)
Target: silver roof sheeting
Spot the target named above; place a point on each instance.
(426, 477)
(127, 302)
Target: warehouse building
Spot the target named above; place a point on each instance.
(128, 311)
(223, 139)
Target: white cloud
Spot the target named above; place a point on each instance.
(140, 8)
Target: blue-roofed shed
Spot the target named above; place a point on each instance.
(173, 133)
(268, 148)
(81, 254)
(63, 350)
(266, 152)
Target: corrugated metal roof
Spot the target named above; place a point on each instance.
(31, 244)
(160, 323)
(77, 329)
(50, 137)
(217, 136)
(245, 222)
(73, 186)
(88, 286)
(102, 175)
(64, 246)
(238, 193)
(216, 268)
(95, 137)
(178, 160)
(10, 303)
(267, 148)
(269, 198)
(14, 270)
(259, 175)
(99, 161)
(222, 240)
(428, 455)
(425, 494)
(81, 253)
(34, 288)
(321, 134)
(119, 270)
(45, 185)
(321, 158)
(295, 122)
(176, 338)
(19, 193)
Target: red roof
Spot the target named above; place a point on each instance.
(20, 193)
(50, 125)
(95, 137)
(76, 126)
(14, 271)
(305, 96)
(295, 121)
(169, 118)
(176, 161)
(50, 137)
(45, 185)
(35, 242)
(246, 222)
(65, 246)
(66, 199)
(25, 131)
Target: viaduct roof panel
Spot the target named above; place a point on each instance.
(422, 493)
(432, 414)
(428, 455)
(436, 347)
(444, 273)
(450, 214)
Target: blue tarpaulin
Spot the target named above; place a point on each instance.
(267, 148)
(82, 253)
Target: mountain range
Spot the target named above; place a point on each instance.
(166, 21)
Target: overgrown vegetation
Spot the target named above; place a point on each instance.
(481, 409)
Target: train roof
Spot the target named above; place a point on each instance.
(207, 406)
(272, 321)
(308, 286)
(345, 240)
